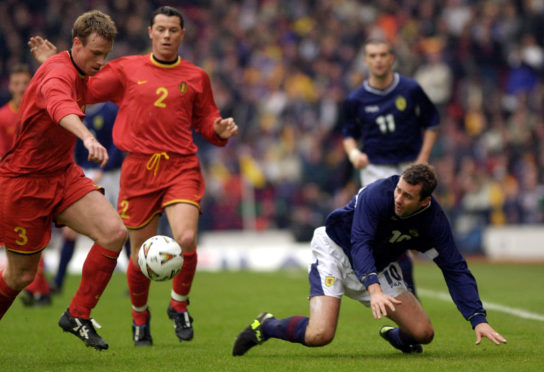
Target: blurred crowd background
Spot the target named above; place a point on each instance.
(282, 69)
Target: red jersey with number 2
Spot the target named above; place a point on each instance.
(158, 104)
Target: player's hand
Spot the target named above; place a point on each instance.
(97, 152)
(225, 128)
(379, 301)
(485, 330)
(41, 48)
(358, 159)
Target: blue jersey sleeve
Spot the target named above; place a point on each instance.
(427, 111)
(460, 281)
(363, 231)
(350, 128)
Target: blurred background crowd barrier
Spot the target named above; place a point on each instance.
(282, 68)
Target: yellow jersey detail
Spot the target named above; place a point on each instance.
(329, 281)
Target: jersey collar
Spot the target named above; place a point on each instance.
(81, 73)
(383, 92)
(156, 62)
(419, 211)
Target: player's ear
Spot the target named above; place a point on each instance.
(77, 42)
(425, 201)
(149, 32)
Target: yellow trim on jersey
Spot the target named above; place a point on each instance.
(184, 201)
(170, 65)
(154, 161)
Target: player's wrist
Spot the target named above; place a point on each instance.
(354, 154)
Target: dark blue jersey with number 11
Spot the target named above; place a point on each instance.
(389, 122)
(372, 236)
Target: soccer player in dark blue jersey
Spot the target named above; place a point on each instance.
(355, 254)
(395, 121)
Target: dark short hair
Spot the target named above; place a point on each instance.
(19, 68)
(421, 174)
(94, 21)
(168, 11)
(377, 41)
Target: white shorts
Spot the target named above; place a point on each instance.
(331, 274)
(374, 172)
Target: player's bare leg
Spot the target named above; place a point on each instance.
(18, 273)
(183, 220)
(92, 215)
(414, 325)
(321, 328)
(317, 330)
(138, 285)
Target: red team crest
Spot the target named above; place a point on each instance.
(183, 87)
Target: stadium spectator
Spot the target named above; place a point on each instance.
(40, 181)
(355, 254)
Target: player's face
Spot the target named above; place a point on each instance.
(407, 198)
(91, 57)
(379, 59)
(166, 35)
(17, 84)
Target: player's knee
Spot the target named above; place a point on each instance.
(319, 337)
(424, 335)
(187, 240)
(115, 236)
(20, 279)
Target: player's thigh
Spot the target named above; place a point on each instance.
(324, 312)
(138, 236)
(94, 216)
(183, 220)
(412, 318)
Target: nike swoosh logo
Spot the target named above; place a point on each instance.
(140, 82)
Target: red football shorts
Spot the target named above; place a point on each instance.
(151, 182)
(28, 205)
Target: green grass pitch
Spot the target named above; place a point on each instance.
(225, 302)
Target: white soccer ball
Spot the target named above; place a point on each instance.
(160, 258)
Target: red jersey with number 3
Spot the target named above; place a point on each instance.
(41, 145)
(158, 104)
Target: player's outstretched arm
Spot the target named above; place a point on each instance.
(41, 48)
(225, 128)
(97, 152)
(485, 330)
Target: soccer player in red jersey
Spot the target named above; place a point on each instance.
(40, 181)
(160, 98)
(19, 77)
(38, 292)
